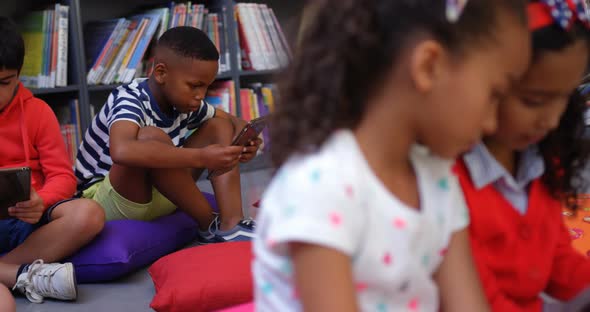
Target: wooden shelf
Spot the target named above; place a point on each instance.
(98, 88)
(104, 87)
(250, 73)
(57, 90)
(225, 75)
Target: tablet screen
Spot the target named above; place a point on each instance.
(15, 186)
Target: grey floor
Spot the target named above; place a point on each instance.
(135, 292)
(132, 293)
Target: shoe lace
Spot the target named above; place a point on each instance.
(214, 225)
(37, 283)
(248, 222)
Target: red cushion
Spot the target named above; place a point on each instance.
(246, 307)
(203, 278)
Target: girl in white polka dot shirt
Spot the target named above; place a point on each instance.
(359, 215)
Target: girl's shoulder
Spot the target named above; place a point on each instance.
(429, 165)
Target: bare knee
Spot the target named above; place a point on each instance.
(7, 303)
(218, 131)
(150, 133)
(86, 216)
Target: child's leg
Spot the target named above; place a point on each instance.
(7, 303)
(8, 274)
(135, 184)
(72, 225)
(227, 186)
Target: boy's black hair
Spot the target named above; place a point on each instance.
(566, 151)
(12, 46)
(349, 47)
(189, 42)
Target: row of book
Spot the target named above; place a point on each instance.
(210, 20)
(256, 99)
(263, 45)
(115, 47)
(118, 49)
(69, 120)
(45, 34)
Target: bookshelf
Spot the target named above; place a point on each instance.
(81, 12)
(56, 90)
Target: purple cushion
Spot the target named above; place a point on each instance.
(124, 246)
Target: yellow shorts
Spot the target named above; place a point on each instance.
(118, 207)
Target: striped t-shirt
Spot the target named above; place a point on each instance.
(133, 102)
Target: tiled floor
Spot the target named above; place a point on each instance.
(135, 292)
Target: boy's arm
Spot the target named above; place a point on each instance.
(127, 150)
(60, 182)
(457, 279)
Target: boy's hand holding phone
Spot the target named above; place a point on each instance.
(249, 151)
(251, 147)
(218, 157)
(29, 211)
(247, 141)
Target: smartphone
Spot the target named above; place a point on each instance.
(15, 186)
(250, 132)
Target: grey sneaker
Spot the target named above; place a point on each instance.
(205, 238)
(243, 231)
(48, 280)
(208, 236)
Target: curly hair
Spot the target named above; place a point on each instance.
(347, 50)
(565, 150)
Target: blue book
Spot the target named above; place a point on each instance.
(154, 17)
(96, 36)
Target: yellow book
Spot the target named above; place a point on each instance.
(33, 32)
(253, 104)
(268, 99)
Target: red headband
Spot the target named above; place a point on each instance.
(563, 13)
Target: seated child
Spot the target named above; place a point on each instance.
(364, 212)
(50, 226)
(516, 181)
(138, 158)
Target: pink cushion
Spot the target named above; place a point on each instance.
(203, 278)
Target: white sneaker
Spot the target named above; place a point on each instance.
(52, 280)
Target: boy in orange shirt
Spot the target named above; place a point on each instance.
(50, 226)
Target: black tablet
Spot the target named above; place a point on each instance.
(15, 186)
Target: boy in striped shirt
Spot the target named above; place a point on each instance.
(139, 160)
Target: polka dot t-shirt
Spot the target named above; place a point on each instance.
(332, 198)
